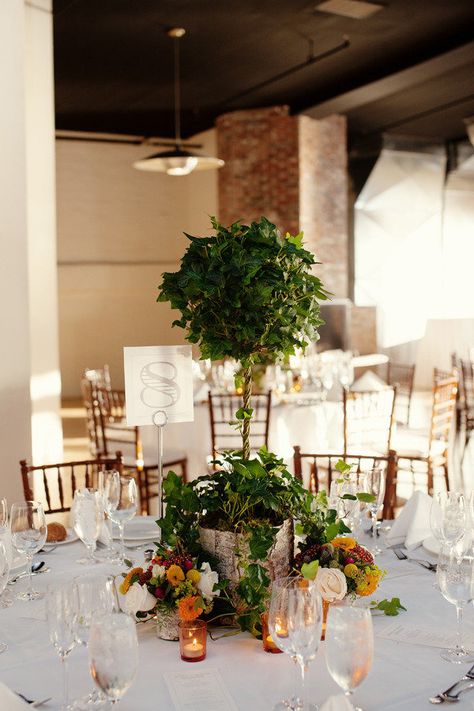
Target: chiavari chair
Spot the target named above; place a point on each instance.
(403, 376)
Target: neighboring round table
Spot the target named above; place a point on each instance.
(402, 678)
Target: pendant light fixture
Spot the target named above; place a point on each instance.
(177, 160)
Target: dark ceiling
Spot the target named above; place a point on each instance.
(114, 64)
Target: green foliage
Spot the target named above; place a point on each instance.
(310, 570)
(247, 293)
(388, 607)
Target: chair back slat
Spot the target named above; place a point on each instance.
(368, 419)
(444, 407)
(403, 377)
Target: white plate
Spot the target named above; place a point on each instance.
(432, 545)
(141, 528)
(70, 538)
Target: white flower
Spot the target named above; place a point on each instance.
(331, 584)
(158, 571)
(207, 581)
(137, 599)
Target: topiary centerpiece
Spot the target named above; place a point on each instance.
(248, 293)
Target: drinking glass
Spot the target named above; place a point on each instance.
(448, 517)
(349, 646)
(121, 496)
(61, 614)
(28, 531)
(113, 654)
(3, 513)
(87, 516)
(294, 621)
(455, 574)
(6, 599)
(374, 484)
(4, 573)
(110, 552)
(96, 596)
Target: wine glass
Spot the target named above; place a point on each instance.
(61, 615)
(448, 517)
(96, 596)
(374, 484)
(295, 621)
(455, 574)
(110, 552)
(6, 599)
(349, 646)
(4, 573)
(3, 514)
(113, 654)
(28, 531)
(121, 497)
(87, 515)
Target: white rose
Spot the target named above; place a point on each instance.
(137, 599)
(207, 581)
(331, 584)
(158, 570)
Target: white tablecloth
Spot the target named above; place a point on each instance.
(402, 678)
(316, 428)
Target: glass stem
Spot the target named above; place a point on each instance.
(91, 550)
(29, 564)
(459, 638)
(303, 669)
(374, 525)
(65, 680)
(122, 542)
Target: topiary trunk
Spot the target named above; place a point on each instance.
(247, 386)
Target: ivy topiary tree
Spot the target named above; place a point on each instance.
(246, 293)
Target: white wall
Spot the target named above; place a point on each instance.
(118, 230)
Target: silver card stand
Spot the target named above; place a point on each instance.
(160, 419)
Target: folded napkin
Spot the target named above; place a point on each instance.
(368, 381)
(9, 701)
(413, 524)
(337, 703)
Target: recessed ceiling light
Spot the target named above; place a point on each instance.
(356, 9)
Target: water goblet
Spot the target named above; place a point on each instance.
(6, 599)
(455, 576)
(349, 646)
(295, 621)
(121, 496)
(374, 484)
(4, 573)
(61, 615)
(87, 515)
(113, 654)
(110, 553)
(448, 517)
(28, 532)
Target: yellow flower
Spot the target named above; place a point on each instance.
(124, 587)
(344, 542)
(187, 609)
(369, 585)
(194, 576)
(351, 570)
(175, 575)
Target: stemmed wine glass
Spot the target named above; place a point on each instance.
(96, 596)
(374, 484)
(4, 573)
(295, 621)
(110, 552)
(28, 531)
(6, 599)
(121, 497)
(61, 614)
(448, 517)
(349, 646)
(87, 515)
(455, 576)
(113, 654)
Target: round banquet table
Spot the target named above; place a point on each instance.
(402, 678)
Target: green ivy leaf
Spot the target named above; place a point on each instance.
(310, 570)
(389, 607)
(366, 498)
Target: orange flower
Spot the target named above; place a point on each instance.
(187, 609)
(175, 575)
(369, 585)
(344, 542)
(124, 587)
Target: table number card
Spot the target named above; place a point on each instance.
(199, 690)
(158, 378)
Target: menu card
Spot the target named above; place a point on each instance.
(199, 690)
(429, 637)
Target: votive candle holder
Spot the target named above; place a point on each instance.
(192, 640)
(268, 641)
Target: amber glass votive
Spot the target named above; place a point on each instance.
(192, 640)
(268, 643)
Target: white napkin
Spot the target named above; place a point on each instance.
(9, 701)
(368, 381)
(413, 524)
(337, 703)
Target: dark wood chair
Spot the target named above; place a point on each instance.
(424, 454)
(403, 377)
(466, 378)
(224, 433)
(368, 420)
(319, 471)
(54, 484)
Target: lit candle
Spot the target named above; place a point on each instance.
(194, 649)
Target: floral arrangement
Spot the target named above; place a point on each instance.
(172, 582)
(341, 568)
